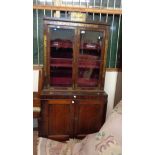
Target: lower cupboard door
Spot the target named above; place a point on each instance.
(59, 122)
(90, 116)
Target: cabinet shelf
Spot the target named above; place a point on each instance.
(60, 62)
(87, 57)
(86, 82)
(61, 65)
(65, 81)
(58, 43)
(89, 64)
(90, 46)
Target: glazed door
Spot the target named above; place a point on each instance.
(61, 51)
(90, 58)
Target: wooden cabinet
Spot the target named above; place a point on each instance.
(73, 102)
(71, 115)
(36, 93)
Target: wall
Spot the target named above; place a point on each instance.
(110, 88)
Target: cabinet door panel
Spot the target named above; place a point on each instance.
(59, 119)
(89, 117)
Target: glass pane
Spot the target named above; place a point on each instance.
(88, 73)
(61, 76)
(90, 45)
(61, 54)
(61, 43)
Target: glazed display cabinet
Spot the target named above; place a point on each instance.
(73, 101)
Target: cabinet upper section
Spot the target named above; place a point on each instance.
(74, 54)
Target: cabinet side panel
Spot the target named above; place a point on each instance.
(43, 121)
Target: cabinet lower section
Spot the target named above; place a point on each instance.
(72, 115)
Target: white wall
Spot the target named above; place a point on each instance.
(35, 80)
(110, 88)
